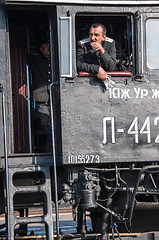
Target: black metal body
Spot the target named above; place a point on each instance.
(105, 141)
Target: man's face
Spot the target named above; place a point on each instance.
(96, 35)
(45, 49)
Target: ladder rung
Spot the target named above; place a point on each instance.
(38, 219)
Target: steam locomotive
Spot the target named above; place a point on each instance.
(104, 158)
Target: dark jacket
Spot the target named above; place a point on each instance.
(89, 60)
(41, 77)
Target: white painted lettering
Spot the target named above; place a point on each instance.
(137, 91)
(125, 93)
(155, 93)
(144, 93)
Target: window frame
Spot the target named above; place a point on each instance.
(146, 31)
(146, 69)
(134, 30)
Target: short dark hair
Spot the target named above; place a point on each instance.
(96, 25)
(43, 39)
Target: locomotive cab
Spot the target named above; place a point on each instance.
(26, 27)
(104, 139)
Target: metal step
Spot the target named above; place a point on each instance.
(23, 194)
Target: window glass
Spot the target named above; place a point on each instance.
(152, 43)
(65, 47)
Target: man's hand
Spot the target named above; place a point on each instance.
(97, 47)
(102, 74)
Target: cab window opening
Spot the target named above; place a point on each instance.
(29, 31)
(119, 28)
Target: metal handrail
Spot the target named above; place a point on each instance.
(54, 160)
(7, 209)
(29, 110)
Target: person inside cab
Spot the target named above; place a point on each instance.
(41, 79)
(96, 54)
